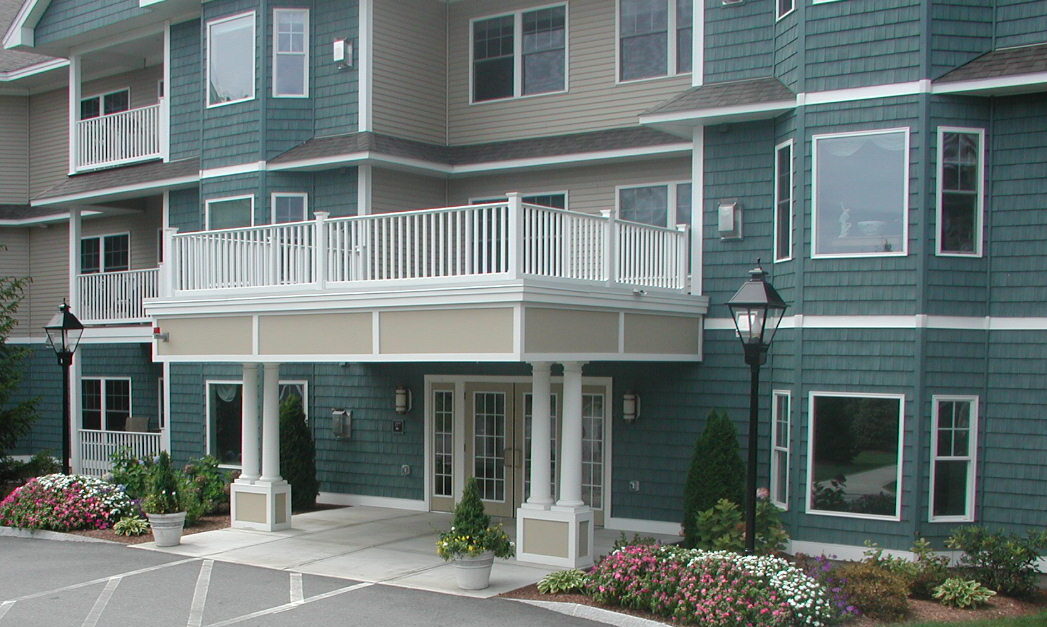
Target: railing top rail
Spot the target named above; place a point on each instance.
(649, 227)
(124, 113)
(112, 272)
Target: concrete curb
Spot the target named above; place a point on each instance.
(593, 613)
(40, 534)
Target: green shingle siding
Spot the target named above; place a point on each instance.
(739, 41)
(1020, 22)
(960, 31)
(127, 360)
(41, 378)
(334, 91)
(186, 89)
(67, 18)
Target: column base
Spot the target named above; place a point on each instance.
(555, 537)
(260, 505)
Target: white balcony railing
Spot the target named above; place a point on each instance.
(119, 138)
(453, 244)
(116, 297)
(97, 448)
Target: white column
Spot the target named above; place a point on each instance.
(541, 455)
(571, 438)
(271, 423)
(75, 372)
(74, 111)
(249, 436)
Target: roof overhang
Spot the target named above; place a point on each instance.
(682, 123)
(117, 193)
(997, 86)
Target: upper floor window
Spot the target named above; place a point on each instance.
(291, 53)
(289, 207)
(105, 403)
(785, 7)
(557, 200)
(105, 253)
(658, 205)
(654, 38)
(520, 54)
(230, 59)
(230, 213)
(105, 104)
(783, 201)
(960, 197)
(861, 193)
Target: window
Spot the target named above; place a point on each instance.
(854, 455)
(658, 205)
(783, 201)
(785, 7)
(556, 200)
(105, 253)
(960, 198)
(230, 213)
(105, 104)
(230, 60)
(780, 420)
(861, 190)
(105, 403)
(289, 207)
(521, 54)
(291, 53)
(645, 49)
(953, 444)
(225, 418)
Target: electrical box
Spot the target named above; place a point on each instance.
(342, 424)
(729, 220)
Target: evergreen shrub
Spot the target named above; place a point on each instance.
(716, 472)
(297, 454)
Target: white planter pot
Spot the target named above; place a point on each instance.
(474, 571)
(167, 528)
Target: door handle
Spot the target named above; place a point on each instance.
(512, 457)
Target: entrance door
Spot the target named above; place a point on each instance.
(495, 443)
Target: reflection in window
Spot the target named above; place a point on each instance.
(646, 49)
(959, 193)
(657, 205)
(861, 187)
(106, 104)
(230, 60)
(540, 58)
(230, 213)
(105, 253)
(856, 455)
(288, 208)
(783, 202)
(952, 474)
(225, 408)
(290, 52)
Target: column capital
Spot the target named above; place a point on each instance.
(541, 366)
(573, 366)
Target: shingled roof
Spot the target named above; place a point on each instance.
(11, 60)
(731, 94)
(135, 176)
(1001, 63)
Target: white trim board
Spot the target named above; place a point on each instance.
(918, 321)
(336, 498)
(642, 526)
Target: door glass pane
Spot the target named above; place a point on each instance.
(91, 403)
(117, 404)
(226, 403)
(592, 449)
(117, 253)
(443, 443)
(489, 444)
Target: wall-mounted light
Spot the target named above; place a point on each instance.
(402, 399)
(342, 423)
(630, 407)
(342, 52)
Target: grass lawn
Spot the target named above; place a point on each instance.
(866, 460)
(1037, 620)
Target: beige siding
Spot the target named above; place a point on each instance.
(142, 84)
(14, 261)
(393, 190)
(14, 150)
(589, 189)
(49, 267)
(593, 100)
(143, 227)
(410, 69)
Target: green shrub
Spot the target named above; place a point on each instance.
(131, 526)
(922, 575)
(563, 582)
(874, 590)
(721, 528)
(716, 472)
(962, 593)
(297, 454)
(637, 540)
(1004, 562)
(130, 472)
(209, 482)
(471, 530)
(163, 490)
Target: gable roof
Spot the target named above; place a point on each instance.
(12, 60)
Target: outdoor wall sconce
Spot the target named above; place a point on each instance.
(630, 407)
(402, 399)
(342, 423)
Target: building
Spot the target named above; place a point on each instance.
(438, 222)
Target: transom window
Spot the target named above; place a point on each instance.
(105, 253)
(105, 104)
(855, 455)
(664, 204)
(291, 53)
(225, 416)
(289, 207)
(780, 421)
(520, 54)
(954, 444)
(105, 403)
(230, 213)
(783, 201)
(230, 60)
(861, 192)
(645, 47)
(960, 198)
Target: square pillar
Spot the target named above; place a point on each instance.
(555, 537)
(260, 505)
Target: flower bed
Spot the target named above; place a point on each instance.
(65, 502)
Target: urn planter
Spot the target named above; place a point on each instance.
(167, 528)
(474, 571)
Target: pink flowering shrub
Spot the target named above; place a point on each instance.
(64, 503)
(711, 588)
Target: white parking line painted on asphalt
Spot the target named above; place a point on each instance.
(84, 584)
(203, 583)
(296, 588)
(291, 606)
(101, 602)
(5, 607)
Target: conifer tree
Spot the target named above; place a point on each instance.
(469, 516)
(717, 472)
(297, 454)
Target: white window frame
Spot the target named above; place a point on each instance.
(101, 237)
(809, 509)
(102, 381)
(483, 200)
(905, 193)
(672, 68)
(779, 14)
(788, 144)
(671, 219)
(211, 201)
(518, 54)
(304, 54)
(778, 449)
(272, 205)
(101, 102)
(207, 59)
(971, 458)
(979, 217)
(209, 426)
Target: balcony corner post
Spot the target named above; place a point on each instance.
(610, 258)
(682, 253)
(74, 113)
(168, 273)
(516, 243)
(320, 254)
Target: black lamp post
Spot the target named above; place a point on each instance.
(63, 334)
(757, 310)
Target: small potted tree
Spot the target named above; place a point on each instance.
(473, 542)
(162, 503)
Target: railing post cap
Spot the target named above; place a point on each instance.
(322, 215)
